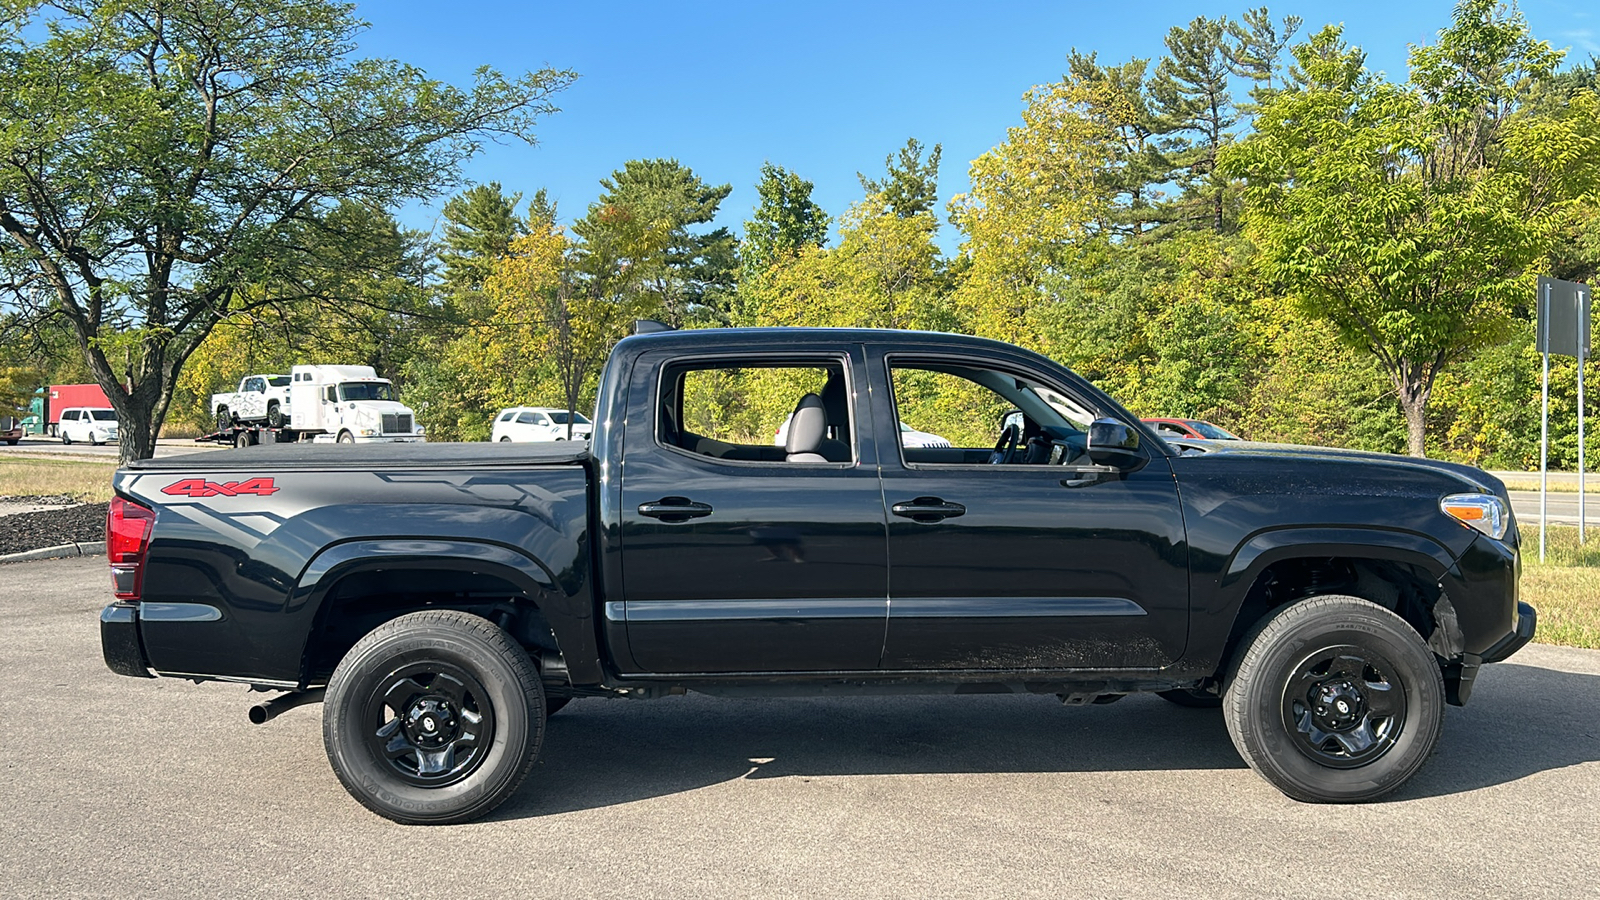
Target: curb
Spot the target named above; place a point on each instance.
(60, 551)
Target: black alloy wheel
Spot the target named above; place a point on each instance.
(1334, 699)
(274, 415)
(432, 723)
(434, 718)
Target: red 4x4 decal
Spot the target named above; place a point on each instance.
(199, 487)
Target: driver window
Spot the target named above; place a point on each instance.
(951, 414)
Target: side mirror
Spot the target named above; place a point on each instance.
(1113, 443)
(1011, 418)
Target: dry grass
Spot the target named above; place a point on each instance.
(87, 480)
(1532, 484)
(1565, 589)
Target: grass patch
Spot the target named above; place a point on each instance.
(89, 481)
(1592, 486)
(1565, 589)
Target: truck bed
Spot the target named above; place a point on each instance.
(408, 455)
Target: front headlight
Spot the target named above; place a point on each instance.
(368, 432)
(1485, 512)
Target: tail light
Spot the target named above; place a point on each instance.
(128, 527)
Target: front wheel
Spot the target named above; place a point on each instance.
(1335, 700)
(346, 437)
(434, 718)
(223, 419)
(274, 415)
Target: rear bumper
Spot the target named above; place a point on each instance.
(119, 640)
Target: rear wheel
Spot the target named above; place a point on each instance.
(434, 718)
(1335, 700)
(65, 439)
(505, 440)
(243, 439)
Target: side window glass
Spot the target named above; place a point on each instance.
(744, 413)
(526, 418)
(954, 414)
(506, 416)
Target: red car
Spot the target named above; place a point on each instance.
(1194, 429)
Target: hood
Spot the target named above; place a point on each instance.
(1475, 478)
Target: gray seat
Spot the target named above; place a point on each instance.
(808, 427)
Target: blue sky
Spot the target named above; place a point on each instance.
(824, 88)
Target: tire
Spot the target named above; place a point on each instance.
(1193, 699)
(274, 416)
(224, 420)
(346, 437)
(1334, 700)
(64, 439)
(14, 443)
(440, 663)
(553, 705)
(505, 440)
(243, 439)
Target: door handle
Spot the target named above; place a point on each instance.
(674, 509)
(927, 509)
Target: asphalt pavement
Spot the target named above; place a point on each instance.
(39, 445)
(121, 787)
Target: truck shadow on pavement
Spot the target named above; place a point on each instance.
(600, 753)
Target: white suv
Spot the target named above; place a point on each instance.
(96, 426)
(538, 423)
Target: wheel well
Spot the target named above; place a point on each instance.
(1404, 589)
(361, 601)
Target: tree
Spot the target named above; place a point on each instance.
(1191, 91)
(784, 223)
(1033, 212)
(480, 224)
(1410, 216)
(910, 186)
(690, 273)
(158, 159)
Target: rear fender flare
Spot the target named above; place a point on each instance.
(340, 561)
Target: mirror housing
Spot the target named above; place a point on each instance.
(1113, 443)
(1014, 417)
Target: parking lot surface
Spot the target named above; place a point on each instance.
(118, 787)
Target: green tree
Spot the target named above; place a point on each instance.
(784, 223)
(910, 186)
(480, 224)
(1410, 216)
(1191, 90)
(158, 159)
(690, 273)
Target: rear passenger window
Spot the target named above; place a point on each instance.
(743, 412)
(526, 418)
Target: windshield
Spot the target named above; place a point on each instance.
(1211, 431)
(366, 390)
(104, 415)
(560, 418)
(278, 380)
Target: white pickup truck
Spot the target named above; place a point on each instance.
(260, 398)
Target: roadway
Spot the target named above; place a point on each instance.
(122, 787)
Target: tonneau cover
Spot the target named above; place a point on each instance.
(374, 456)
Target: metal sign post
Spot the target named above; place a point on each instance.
(1563, 328)
(1544, 414)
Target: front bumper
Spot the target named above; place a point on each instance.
(119, 640)
(1527, 623)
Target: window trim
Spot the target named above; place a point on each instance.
(785, 360)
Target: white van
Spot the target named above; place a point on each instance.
(80, 423)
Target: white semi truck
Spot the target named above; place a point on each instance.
(346, 404)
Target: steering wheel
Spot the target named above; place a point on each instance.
(1005, 449)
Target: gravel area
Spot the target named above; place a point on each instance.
(50, 528)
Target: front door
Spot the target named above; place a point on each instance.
(739, 555)
(1013, 557)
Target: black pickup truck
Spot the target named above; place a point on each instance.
(442, 600)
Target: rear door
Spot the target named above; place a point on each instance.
(735, 559)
